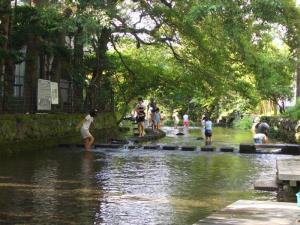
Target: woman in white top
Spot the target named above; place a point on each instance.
(176, 119)
(84, 126)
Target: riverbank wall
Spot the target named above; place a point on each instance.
(283, 129)
(20, 132)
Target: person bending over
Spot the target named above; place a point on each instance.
(84, 126)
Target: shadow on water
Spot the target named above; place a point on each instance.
(70, 186)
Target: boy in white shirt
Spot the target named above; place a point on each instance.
(260, 138)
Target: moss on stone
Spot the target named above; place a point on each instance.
(27, 131)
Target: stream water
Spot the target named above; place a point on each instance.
(134, 187)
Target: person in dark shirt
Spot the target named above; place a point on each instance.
(140, 116)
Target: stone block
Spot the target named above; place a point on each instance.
(291, 150)
(151, 147)
(169, 147)
(247, 148)
(208, 148)
(226, 149)
(108, 146)
(188, 148)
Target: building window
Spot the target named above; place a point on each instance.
(19, 80)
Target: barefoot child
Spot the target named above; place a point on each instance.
(84, 126)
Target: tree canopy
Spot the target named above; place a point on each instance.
(203, 56)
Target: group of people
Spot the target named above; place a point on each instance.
(154, 116)
(206, 125)
(260, 129)
(185, 120)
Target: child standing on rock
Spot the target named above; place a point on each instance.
(84, 126)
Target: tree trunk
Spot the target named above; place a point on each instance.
(77, 72)
(5, 17)
(31, 75)
(57, 67)
(100, 49)
(298, 82)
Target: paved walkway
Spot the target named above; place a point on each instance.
(289, 169)
(245, 212)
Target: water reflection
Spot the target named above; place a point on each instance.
(66, 186)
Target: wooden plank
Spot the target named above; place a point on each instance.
(288, 169)
(255, 212)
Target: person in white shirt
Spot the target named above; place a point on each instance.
(175, 119)
(84, 126)
(208, 130)
(260, 138)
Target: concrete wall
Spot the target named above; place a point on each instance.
(283, 129)
(22, 131)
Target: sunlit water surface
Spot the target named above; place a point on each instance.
(70, 186)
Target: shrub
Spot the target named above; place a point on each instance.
(245, 123)
(293, 112)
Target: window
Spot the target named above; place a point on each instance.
(19, 80)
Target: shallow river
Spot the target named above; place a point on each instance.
(134, 187)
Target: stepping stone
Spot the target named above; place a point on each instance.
(266, 185)
(208, 148)
(80, 145)
(188, 148)
(151, 147)
(290, 150)
(132, 146)
(169, 147)
(180, 133)
(119, 141)
(226, 149)
(65, 145)
(247, 148)
(263, 151)
(108, 146)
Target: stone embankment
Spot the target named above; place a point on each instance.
(19, 132)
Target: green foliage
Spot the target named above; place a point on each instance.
(245, 123)
(203, 56)
(293, 112)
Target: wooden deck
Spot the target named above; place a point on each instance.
(245, 212)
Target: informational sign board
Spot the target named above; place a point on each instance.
(54, 93)
(44, 95)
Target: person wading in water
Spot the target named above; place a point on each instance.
(84, 126)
